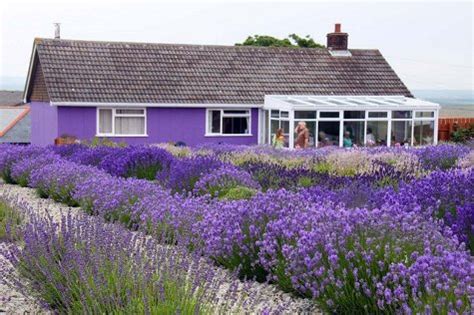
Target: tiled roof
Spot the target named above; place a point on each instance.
(87, 71)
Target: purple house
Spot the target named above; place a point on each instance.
(150, 93)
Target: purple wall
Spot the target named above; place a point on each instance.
(44, 123)
(163, 125)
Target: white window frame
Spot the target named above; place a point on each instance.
(248, 114)
(114, 115)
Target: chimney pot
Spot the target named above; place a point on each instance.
(337, 40)
(57, 30)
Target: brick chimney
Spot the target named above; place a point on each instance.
(337, 40)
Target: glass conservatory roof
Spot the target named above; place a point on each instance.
(315, 102)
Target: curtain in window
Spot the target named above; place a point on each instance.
(129, 125)
(105, 121)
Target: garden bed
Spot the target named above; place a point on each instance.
(241, 296)
(368, 230)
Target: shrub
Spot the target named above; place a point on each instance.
(10, 221)
(239, 192)
(183, 174)
(10, 154)
(463, 135)
(218, 182)
(367, 261)
(58, 180)
(444, 156)
(21, 170)
(85, 266)
(137, 161)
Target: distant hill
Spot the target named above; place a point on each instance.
(9, 98)
(446, 97)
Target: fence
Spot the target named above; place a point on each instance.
(447, 125)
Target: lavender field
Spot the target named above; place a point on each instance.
(370, 230)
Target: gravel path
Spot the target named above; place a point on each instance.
(263, 296)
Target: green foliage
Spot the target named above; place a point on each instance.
(305, 182)
(6, 176)
(462, 135)
(293, 40)
(238, 193)
(322, 167)
(98, 142)
(145, 172)
(10, 221)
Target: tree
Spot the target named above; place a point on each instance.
(292, 40)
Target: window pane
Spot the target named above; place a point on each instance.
(353, 133)
(130, 111)
(235, 125)
(376, 133)
(215, 121)
(329, 114)
(424, 114)
(285, 125)
(284, 114)
(274, 125)
(129, 125)
(401, 133)
(377, 114)
(424, 132)
(266, 127)
(105, 121)
(305, 114)
(275, 114)
(328, 133)
(311, 126)
(401, 114)
(354, 114)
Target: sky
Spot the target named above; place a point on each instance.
(429, 44)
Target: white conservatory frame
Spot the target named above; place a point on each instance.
(339, 104)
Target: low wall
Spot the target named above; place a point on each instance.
(447, 125)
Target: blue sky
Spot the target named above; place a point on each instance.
(429, 44)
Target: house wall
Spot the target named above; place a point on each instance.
(44, 123)
(163, 125)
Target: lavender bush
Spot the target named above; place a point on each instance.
(84, 266)
(219, 182)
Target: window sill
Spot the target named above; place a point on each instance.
(227, 135)
(121, 136)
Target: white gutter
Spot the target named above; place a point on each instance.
(166, 105)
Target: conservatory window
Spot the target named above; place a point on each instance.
(311, 125)
(401, 114)
(429, 114)
(305, 114)
(228, 122)
(377, 114)
(354, 114)
(121, 122)
(423, 132)
(328, 133)
(376, 134)
(401, 132)
(356, 131)
(331, 114)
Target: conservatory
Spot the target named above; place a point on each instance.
(352, 120)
